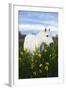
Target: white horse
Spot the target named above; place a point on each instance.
(34, 41)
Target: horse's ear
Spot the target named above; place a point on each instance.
(45, 30)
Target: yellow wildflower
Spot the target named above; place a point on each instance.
(46, 68)
(32, 66)
(50, 55)
(34, 73)
(40, 70)
(45, 50)
(36, 54)
(40, 65)
(21, 53)
(47, 63)
(32, 60)
(39, 55)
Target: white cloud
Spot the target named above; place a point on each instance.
(31, 27)
(36, 27)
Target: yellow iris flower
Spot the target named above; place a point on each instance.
(50, 55)
(21, 53)
(40, 65)
(46, 68)
(39, 55)
(40, 70)
(47, 63)
(45, 50)
(34, 73)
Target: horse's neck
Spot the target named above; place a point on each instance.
(39, 37)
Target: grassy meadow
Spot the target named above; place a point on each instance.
(42, 64)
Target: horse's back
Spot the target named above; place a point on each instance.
(29, 43)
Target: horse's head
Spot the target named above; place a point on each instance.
(46, 36)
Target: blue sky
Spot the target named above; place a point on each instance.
(34, 21)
